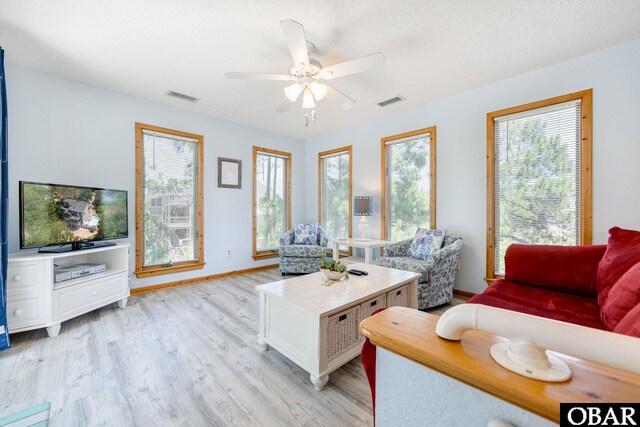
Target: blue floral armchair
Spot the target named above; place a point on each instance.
(304, 256)
(437, 272)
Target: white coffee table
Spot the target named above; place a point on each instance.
(316, 326)
(367, 245)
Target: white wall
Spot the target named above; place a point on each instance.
(614, 75)
(67, 132)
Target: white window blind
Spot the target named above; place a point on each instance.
(169, 198)
(271, 199)
(335, 194)
(408, 186)
(537, 178)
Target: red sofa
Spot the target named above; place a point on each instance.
(596, 286)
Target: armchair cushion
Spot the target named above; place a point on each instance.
(305, 234)
(623, 252)
(302, 251)
(424, 242)
(569, 269)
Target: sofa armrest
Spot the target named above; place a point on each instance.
(566, 269)
(400, 248)
(287, 238)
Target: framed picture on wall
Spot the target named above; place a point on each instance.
(229, 173)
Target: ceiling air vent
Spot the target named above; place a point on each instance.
(183, 96)
(390, 101)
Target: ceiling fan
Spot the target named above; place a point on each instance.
(308, 74)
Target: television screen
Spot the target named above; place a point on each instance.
(52, 214)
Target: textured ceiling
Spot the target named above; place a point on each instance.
(433, 48)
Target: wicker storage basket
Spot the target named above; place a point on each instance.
(398, 297)
(342, 332)
(368, 307)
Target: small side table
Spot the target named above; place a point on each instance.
(367, 245)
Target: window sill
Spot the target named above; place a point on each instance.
(174, 268)
(265, 255)
(490, 280)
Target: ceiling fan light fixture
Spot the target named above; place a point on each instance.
(293, 92)
(319, 90)
(307, 99)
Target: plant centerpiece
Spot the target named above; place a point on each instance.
(332, 269)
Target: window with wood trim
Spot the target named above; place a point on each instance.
(334, 193)
(271, 200)
(408, 183)
(538, 175)
(169, 201)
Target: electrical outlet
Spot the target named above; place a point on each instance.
(458, 265)
(228, 252)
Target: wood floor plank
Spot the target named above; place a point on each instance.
(183, 356)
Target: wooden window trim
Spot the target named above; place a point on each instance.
(157, 270)
(586, 158)
(269, 254)
(384, 172)
(321, 155)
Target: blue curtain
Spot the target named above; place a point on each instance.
(4, 200)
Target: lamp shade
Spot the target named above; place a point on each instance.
(362, 205)
(307, 99)
(292, 92)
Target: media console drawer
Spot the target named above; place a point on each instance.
(23, 313)
(74, 300)
(23, 279)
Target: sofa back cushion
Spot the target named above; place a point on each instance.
(630, 323)
(305, 234)
(623, 296)
(623, 252)
(568, 269)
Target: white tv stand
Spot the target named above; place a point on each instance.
(34, 301)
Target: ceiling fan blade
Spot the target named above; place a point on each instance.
(359, 65)
(258, 76)
(284, 106)
(296, 40)
(346, 103)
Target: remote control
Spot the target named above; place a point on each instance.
(362, 273)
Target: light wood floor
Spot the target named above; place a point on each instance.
(184, 356)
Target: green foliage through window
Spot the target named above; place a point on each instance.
(169, 186)
(335, 195)
(408, 187)
(271, 209)
(537, 178)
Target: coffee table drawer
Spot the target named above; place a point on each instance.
(342, 332)
(398, 297)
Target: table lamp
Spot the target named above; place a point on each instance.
(362, 207)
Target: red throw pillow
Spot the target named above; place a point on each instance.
(630, 324)
(623, 296)
(623, 252)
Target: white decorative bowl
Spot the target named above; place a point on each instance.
(334, 275)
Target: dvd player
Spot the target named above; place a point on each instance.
(72, 271)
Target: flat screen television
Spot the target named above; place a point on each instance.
(61, 218)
